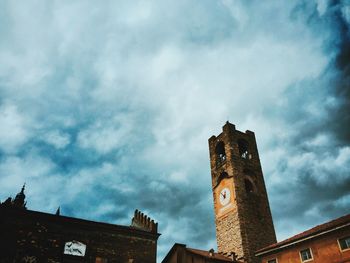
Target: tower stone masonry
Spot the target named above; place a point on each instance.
(242, 212)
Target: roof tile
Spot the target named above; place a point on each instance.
(206, 254)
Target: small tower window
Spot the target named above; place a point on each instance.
(249, 187)
(102, 260)
(243, 149)
(220, 153)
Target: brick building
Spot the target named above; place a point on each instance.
(30, 236)
(179, 253)
(328, 243)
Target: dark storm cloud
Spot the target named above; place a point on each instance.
(342, 81)
(319, 196)
(320, 121)
(334, 81)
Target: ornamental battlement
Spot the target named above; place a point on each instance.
(142, 221)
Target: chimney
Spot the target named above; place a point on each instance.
(211, 252)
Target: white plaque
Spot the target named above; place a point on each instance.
(74, 248)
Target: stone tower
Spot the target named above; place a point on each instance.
(242, 212)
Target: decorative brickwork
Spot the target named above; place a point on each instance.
(143, 222)
(248, 226)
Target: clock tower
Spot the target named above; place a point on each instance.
(242, 212)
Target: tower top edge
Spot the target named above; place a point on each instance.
(230, 127)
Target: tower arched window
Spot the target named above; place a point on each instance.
(243, 147)
(249, 173)
(249, 187)
(220, 153)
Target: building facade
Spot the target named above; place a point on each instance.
(35, 237)
(326, 243)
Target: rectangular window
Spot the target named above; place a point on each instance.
(305, 254)
(101, 260)
(272, 260)
(344, 243)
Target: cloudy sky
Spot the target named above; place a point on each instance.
(107, 106)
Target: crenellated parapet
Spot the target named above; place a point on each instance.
(143, 222)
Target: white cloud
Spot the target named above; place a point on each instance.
(237, 11)
(14, 129)
(346, 12)
(343, 202)
(320, 140)
(103, 138)
(322, 6)
(57, 139)
(33, 169)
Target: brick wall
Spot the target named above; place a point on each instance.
(40, 236)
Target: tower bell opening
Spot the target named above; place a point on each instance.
(220, 153)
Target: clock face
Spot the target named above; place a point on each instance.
(225, 195)
(74, 248)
